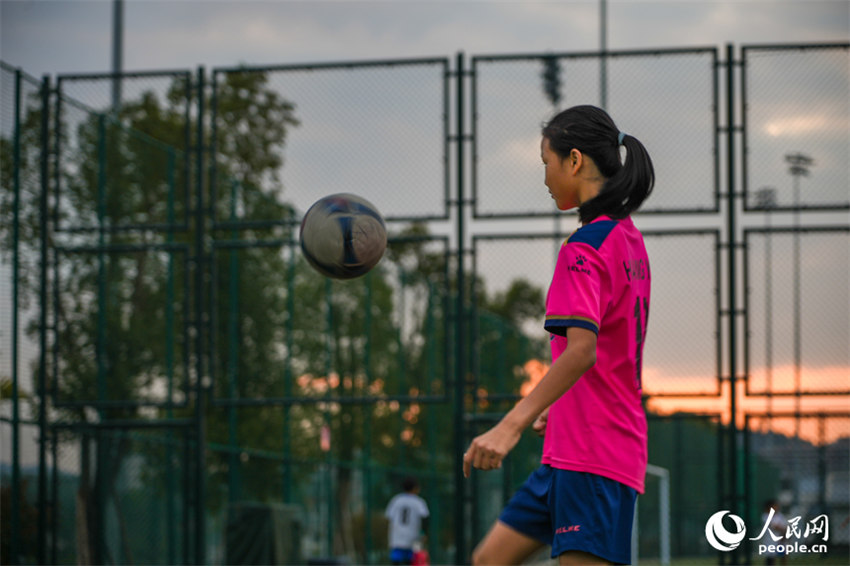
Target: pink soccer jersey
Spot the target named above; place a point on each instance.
(601, 283)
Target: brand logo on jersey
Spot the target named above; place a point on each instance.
(579, 265)
(569, 529)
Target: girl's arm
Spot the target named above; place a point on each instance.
(487, 451)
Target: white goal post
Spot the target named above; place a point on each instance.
(663, 475)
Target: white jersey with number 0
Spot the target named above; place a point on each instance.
(405, 513)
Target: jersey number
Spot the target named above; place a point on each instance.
(640, 334)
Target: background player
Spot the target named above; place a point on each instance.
(408, 516)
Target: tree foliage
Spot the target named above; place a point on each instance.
(125, 334)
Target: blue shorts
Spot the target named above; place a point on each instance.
(401, 555)
(575, 511)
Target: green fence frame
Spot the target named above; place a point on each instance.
(193, 228)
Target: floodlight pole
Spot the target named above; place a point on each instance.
(798, 166)
(117, 52)
(766, 200)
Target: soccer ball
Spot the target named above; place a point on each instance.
(343, 236)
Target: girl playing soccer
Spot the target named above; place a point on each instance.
(581, 500)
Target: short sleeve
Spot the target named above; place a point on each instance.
(574, 298)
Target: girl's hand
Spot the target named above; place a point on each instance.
(539, 425)
(487, 451)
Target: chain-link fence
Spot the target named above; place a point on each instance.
(173, 370)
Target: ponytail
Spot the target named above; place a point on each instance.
(592, 131)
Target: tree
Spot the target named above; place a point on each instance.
(28, 523)
(273, 328)
(121, 277)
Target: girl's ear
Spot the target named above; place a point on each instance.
(575, 160)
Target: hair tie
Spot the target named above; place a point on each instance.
(620, 137)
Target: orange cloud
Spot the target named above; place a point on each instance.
(777, 412)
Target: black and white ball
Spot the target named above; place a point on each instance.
(343, 236)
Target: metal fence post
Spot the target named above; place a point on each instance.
(200, 400)
(460, 329)
(732, 278)
(42, 365)
(14, 542)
